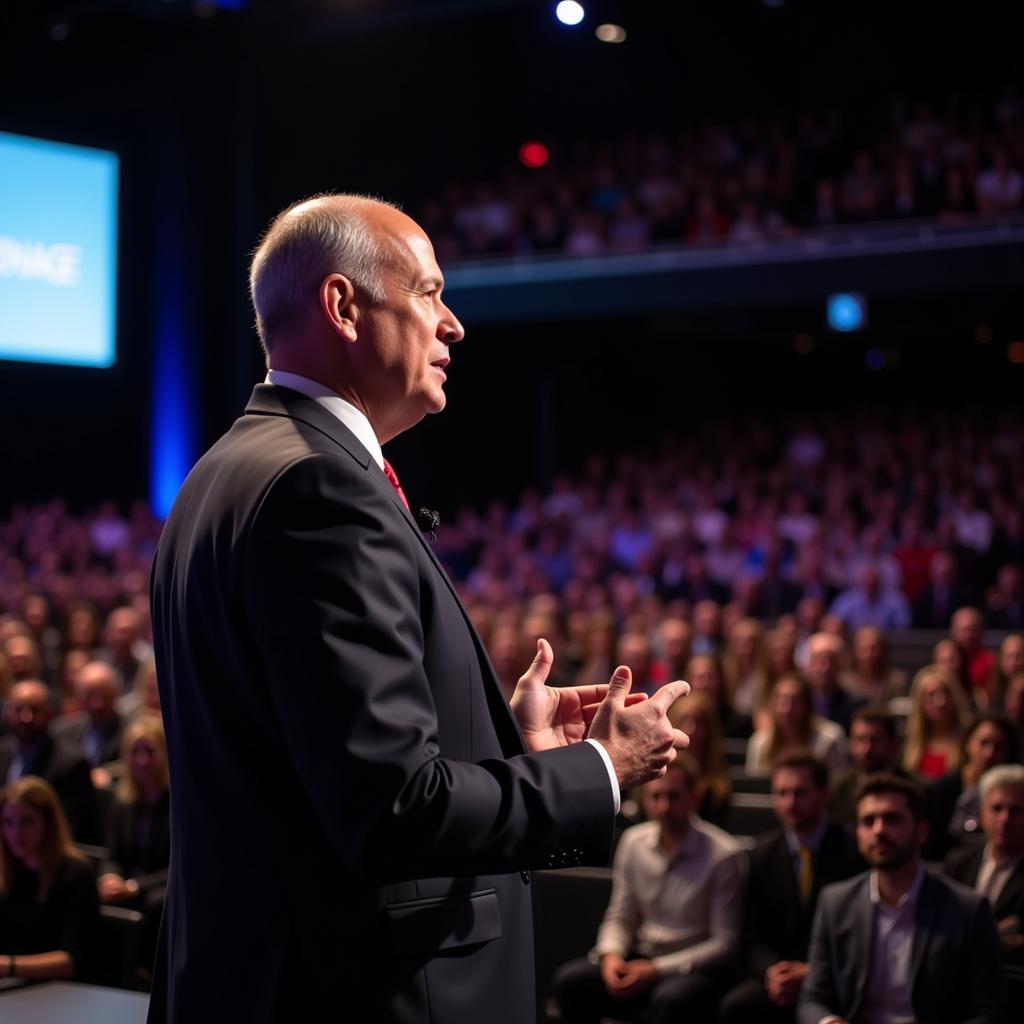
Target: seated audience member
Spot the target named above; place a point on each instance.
(139, 833)
(1004, 603)
(144, 696)
(996, 870)
(97, 729)
(67, 677)
(794, 724)
(954, 800)
(788, 868)
(948, 654)
(935, 605)
(869, 603)
(875, 746)
(707, 627)
(745, 663)
(898, 943)
(824, 667)
(124, 647)
(672, 927)
(32, 749)
(1009, 662)
(967, 628)
(781, 647)
(82, 628)
(672, 644)
(936, 723)
(23, 658)
(704, 674)
(702, 726)
(870, 676)
(49, 912)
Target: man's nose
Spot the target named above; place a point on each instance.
(449, 330)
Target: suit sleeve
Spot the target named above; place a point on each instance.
(332, 595)
(818, 997)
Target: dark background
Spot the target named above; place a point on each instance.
(222, 117)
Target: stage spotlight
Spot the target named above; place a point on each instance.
(847, 311)
(568, 12)
(609, 33)
(533, 154)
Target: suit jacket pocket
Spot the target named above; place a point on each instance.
(427, 926)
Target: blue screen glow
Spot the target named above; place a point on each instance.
(58, 252)
(847, 311)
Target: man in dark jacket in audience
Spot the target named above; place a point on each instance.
(996, 870)
(788, 867)
(32, 749)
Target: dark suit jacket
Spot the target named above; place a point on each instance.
(341, 753)
(778, 925)
(964, 865)
(61, 764)
(74, 727)
(956, 974)
(131, 856)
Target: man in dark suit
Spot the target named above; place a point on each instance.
(96, 730)
(788, 868)
(996, 870)
(897, 942)
(32, 749)
(355, 810)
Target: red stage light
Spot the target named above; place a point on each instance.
(533, 154)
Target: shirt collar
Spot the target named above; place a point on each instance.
(352, 417)
(687, 848)
(813, 842)
(1011, 862)
(908, 899)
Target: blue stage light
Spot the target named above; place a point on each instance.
(847, 311)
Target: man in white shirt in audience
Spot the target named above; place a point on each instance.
(671, 932)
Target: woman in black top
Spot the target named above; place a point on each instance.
(139, 837)
(49, 912)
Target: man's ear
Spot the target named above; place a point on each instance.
(337, 304)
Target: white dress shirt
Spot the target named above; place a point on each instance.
(680, 908)
(354, 419)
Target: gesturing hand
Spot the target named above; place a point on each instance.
(554, 716)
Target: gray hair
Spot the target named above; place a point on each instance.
(1001, 775)
(310, 239)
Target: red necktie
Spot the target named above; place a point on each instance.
(393, 477)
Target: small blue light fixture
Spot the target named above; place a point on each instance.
(569, 12)
(847, 311)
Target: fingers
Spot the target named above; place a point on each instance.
(537, 673)
(619, 684)
(679, 739)
(669, 694)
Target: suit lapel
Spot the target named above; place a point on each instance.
(1011, 895)
(863, 931)
(273, 400)
(924, 926)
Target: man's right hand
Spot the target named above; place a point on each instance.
(640, 740)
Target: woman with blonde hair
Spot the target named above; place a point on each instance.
(139, 835)
(697, 716)
(939, 712)
(49, 912)
(792, 724)
(745, 663)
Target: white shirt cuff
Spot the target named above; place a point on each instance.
(612, 777)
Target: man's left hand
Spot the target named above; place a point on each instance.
(555, 716)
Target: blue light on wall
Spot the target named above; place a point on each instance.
(176, 378)
(847, 311)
